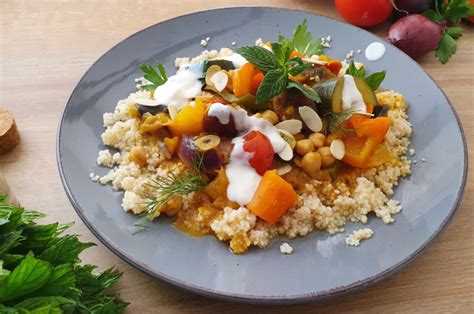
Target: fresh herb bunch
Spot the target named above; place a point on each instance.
(40, 270)
(373, 80)
(156, 78)
(452, 13)
(170, 186)
(277, 65)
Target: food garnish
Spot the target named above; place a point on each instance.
(156, 78)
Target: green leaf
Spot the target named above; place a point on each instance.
(9, 240)
(304, 43)
(454, 31)
(7, 310)
(281, 52)
(157, 78)
(37, 303)
(456, 10)
(62, 278)
(28, 216)
(263, 59)
(433, 15)
(273, 84)
(9, 259)
(446, 48)
(108, 277)
(352, 70)
(375, 79)
(26, 278)
(106, 305)
(4, 273)
(65, 250)
(38, 236)
(307, 91)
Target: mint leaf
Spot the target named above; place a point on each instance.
(3, 272)
(456, 10)
(38, 236)
(352, 70)
(304, 43)
(65, 250)
(36, 303)
(9, 259)
(307, 91)
(281, 52)
(62, 279)
(157, 78)
(273, 84)
(263, 59)
(433, 15)
(375, 79)
(446, 48)
(9, 240)
(27, 277)
(454, 31)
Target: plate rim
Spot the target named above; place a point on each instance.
(245, 298)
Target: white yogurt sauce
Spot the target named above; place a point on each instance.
(237, 60)
(243, 179)
(351, 96)
(182, 87)
(375, 51)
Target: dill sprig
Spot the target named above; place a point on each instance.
(172, 185)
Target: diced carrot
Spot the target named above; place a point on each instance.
(243, 80)
(256, 81)
(189, 120)
(374, 128)
(361, 152)
(295, 54)
(274, 196)
(369, 108)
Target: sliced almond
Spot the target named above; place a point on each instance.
(314, 61)
(311, 118)
(287, 153)
(288, 137)
(147, 102)
(173, 111)
(293, 126)
(337, 149)
(220, 80)
(284, 169)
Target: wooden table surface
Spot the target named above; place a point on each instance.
(46, 46)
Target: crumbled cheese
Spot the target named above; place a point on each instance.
(359, 51)
(326, 41)
(285, 248)
(208, 38)
(412, 152)
(203, 42)
(358, 235)
(259, 42)
(423, 159)
(349, 55)
(233, 43)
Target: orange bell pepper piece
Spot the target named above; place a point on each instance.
(189, 120)
(274, 196)
(243, 80)
(295, 54)
(364, 153)
(256, 81)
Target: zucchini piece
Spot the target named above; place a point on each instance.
(224, 64)
(330, 92)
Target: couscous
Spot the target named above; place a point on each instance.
(275, 139)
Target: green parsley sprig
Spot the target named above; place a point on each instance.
(40, 270)
(156, 78)
(303, 41)
(373, 80)
(452, 13)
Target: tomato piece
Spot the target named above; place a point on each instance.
(364, 12)
(256, 81)
(334, 66)
(257, 143)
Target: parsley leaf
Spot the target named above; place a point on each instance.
(446, 48)
(454, 31)
(433, 15)
(263, 59)
(302, 41)
(273, 84)
(375, 79)
(307, 91)
(156, 78)
(456, 10)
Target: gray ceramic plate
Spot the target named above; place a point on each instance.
(321, 266)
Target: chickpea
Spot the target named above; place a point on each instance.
(331, 137)
(318, 139)
(311, 163)
(304, 146)
(327, 159)
(271, 116)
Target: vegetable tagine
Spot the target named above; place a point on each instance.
(275, 138)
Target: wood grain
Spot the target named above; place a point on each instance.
(46, 46)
